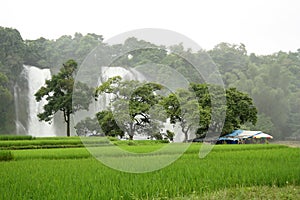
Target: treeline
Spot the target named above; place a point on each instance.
(273, 81)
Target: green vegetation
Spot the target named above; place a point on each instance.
(59, 90)
(228, 172)
(70, 142)
(5, 155)
(193, 112)
(35, 144)
(131, 103)
(272, 81)
(16, 137)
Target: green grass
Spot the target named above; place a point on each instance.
(5, 155)
(16, 137)
(228, 171)
(42, 154)
(8, 143)
(38, 143)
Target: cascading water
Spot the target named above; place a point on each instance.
(109, 72)
(20, 129)
(36, 78)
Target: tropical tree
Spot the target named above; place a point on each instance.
(5, 103)
(108, 124)
(88, 126)
(237, 107)
(183, 108)
(59, 91)
(131, 103)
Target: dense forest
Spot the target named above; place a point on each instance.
(273, 81)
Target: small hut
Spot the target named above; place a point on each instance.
(244, 136)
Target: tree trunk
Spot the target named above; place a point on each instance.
(185, 136)
(185, 132)
(68, 124)
(131, 131)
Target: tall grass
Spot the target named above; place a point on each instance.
(34, 176)
(5, 155)
(49, 143)
(16, 137)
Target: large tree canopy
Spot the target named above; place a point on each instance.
(238, 108)
(5, 103)
(131, 103)
(58, 92)
(192, 109)
(183, 108)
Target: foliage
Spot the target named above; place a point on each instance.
(12, 50)
(182, 107)
(51, 53)
(170, 135)
(108, 124)
(238, 109)
(87, 126)
(59, 91)
(192, 109)
(131, 104)
(272, 81)
(5, 104)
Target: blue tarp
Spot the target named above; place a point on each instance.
(234, 133)
(225, 138)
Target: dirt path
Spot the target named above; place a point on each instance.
(289, 143)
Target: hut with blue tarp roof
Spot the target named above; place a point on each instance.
(244, 136)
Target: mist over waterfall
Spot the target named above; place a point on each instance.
(20, 129)
(109, 72)
(36, 78)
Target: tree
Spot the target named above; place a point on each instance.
(238, 108)
(229, 56)
(108, 124)
(5, 103)
(12, 50)
(87, 126)
(183, 108)
(170, 135)
(131, 103)
(58, 92)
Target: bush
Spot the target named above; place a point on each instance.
(5, 155)
(165, 141)
(16, 137)
(113, 139)
(131, 143)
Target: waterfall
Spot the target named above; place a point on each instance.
(109, 72)
(20, 129)
(36, 78)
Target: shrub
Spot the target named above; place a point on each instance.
(113, 139)
(131, 143)
(165, 141)
(5, 155)
(16, 137)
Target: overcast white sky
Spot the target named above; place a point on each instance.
(263, 26)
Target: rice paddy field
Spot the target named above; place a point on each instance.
(64, 169)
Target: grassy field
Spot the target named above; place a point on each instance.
(228, 172)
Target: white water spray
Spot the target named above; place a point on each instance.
(36, 78)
